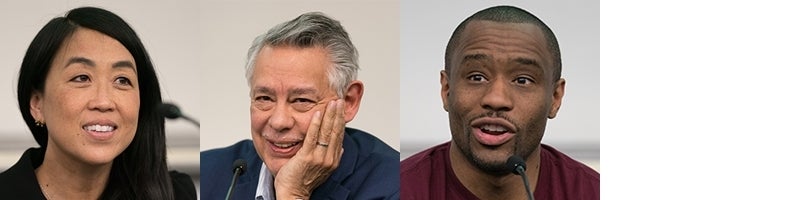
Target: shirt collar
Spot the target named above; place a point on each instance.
(264, 190)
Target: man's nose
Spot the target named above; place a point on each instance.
(281, 119)
(497, 97)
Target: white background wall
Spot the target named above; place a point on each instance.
(426, 27)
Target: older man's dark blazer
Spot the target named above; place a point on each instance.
(369, 169)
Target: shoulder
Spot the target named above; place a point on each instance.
(216, 168)
(19, 181)
(424, 173)
(368, 168)
(211, 160)
(424, 160)
(369, 145)
(226, 155)
(182, 185)
(241, 147)
(366, 152)
(565, 162)
(575, 180)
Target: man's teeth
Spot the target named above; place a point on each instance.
(98, 128)
(286, 145)
(494, 128)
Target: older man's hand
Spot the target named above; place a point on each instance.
(317, 159)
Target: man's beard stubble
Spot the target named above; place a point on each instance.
(497, 167)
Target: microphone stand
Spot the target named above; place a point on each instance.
(238, 168)
(517, 166)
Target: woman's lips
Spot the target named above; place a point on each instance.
(100, 132)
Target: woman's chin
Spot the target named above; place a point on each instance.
(99, 156)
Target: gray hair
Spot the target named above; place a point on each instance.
(311, 30)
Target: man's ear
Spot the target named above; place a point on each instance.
(352, 99)
(558, 95)
(36, 101)
(443, 78)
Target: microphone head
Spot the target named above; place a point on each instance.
(241, 165)
(514, 162)
(170, 111)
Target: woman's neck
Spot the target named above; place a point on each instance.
(62, 176)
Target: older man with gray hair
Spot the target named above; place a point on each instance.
(303, 89)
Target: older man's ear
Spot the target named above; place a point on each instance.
(352, 99)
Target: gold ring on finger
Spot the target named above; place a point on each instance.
(322, 144)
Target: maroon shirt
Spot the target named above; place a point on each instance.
(428, 175)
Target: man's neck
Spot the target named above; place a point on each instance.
(62, 177)
(487, 186)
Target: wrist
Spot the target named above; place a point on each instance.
(285, 194)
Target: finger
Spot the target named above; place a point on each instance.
(310, 141)
(327, 122)
(322, 143)
(337, 131)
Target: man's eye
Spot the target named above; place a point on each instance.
(477, 78)
(303, 104)
(80, 78)
(523, 80)
(264, 103)
(263, 98)
(303, 100)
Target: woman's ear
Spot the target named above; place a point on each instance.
(352, 99)
(36, 101)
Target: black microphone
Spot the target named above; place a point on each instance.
(239, 167)
(171, 111)
(517, 166)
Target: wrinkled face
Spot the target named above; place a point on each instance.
(90, 102)
(288, 85)
(499, 92)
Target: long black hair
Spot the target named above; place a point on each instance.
(140, 172)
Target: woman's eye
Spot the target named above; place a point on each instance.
(523, 80)
(80, 78)
(123, 81)
(476, 78)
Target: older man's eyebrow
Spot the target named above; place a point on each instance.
(302, 91)
(263, 90)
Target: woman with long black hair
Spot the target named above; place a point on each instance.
(88, 92)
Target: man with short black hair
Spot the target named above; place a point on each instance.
(501, 83)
